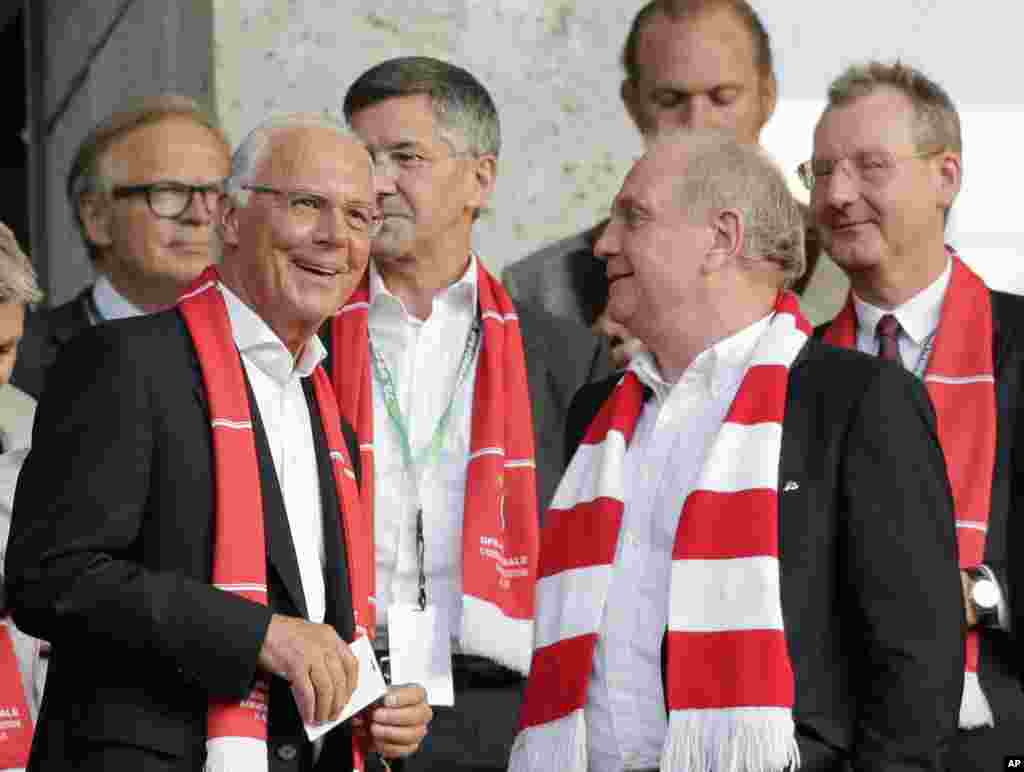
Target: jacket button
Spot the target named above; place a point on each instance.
(287, 752)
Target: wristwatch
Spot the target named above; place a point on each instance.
(984, 597)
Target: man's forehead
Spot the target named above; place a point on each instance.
(176, 147)
(884, 116)
(313, 156)
(705, 45)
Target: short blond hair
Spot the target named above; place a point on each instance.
(86, 173)
(18, 282)
(937, 123)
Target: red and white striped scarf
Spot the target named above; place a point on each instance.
(15, 719)
(960, 380)
(734, 709)
(500, 523)
(237, 731)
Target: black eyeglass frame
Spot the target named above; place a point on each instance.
(209, 194)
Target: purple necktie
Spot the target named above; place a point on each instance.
(888, 331)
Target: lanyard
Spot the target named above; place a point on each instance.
(432, 450)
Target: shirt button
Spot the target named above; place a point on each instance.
(287, 752)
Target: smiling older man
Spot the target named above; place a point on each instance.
(201, 565)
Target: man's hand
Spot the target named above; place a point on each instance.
(398, 723)
(321, 669)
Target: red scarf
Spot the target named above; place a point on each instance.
(960, 380)
(237, 732)
(733, 709)
(500, 522)
(15, 719)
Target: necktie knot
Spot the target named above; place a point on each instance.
(888, 331)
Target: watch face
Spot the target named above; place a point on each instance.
(985, 595)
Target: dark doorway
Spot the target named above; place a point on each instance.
(14, 194)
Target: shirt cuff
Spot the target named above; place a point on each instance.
(1002, 607)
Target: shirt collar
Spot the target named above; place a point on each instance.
(462, 293)
(110, 303)
(715, 369)
(261, 345)
(919, 316)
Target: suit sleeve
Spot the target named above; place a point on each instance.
(74, 566)
(903, 586)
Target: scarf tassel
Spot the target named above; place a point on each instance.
(731, 740)
(974, 708)
(235, 754)
(559, 744)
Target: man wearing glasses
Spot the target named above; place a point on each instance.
(143, 187)
(885, 172)
(458, 398)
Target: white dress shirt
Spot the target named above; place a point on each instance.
(625, 711)
(423, 357)
(110, 303)
(919, 320)
(275, 378)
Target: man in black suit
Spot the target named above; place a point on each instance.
(885, 171)
(143, 187)
(746, 498)
(114, 563)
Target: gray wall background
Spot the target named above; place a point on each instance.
(552, 67)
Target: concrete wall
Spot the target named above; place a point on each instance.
(552, 67)
(158, 46)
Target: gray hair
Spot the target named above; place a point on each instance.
(253, 150)
(18, 282)
(937, 123)
(460, 102)
(723, 173)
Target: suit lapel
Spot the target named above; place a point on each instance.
(336, 576)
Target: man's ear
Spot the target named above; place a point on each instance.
(949, 178)
(228, 221)
(95, 212)
(727, 234)
(485, 175)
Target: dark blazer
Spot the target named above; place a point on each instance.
(46, 333)
(999, 666)
(110, 559)
(870, 589)
(561, 356)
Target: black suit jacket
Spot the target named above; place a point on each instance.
(110, 556)
(561, 356)
(1000, 660)
(870, 588)
(46, 333)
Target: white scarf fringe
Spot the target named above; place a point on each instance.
(488, 632)
(236, 754)
(974, 708)
(731, 740)
(557, 745)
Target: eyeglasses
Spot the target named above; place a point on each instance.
(170, 200)
(305, 209)
(874, 167)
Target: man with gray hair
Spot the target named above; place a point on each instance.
(200, 569)
(710, 595)
(885, 172)
(458, 397)
(143, 187)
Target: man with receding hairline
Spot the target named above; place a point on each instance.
(748, 564)
(143, 187)
(691, 64)
(885, 172)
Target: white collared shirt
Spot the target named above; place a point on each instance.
(918, 318)
(919, 321)
(423, 357)
(275, 378)
(625, 711)
(110, 303)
